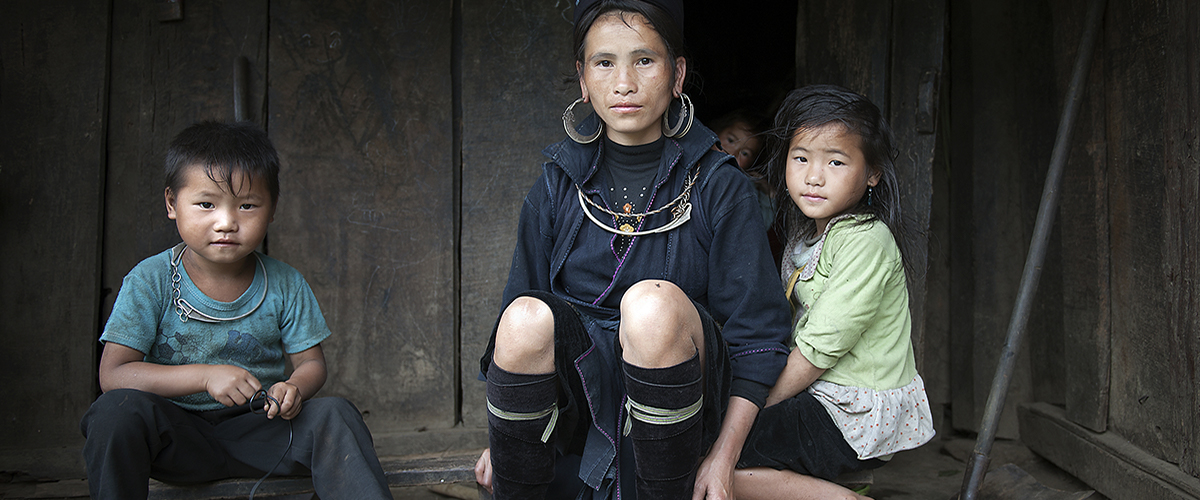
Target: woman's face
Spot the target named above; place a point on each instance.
(626, 75)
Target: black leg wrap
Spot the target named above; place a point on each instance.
(522, 462)
(666, 453)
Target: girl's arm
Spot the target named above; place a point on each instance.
(797, 376)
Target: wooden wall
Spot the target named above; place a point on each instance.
(511, 109)
(1004, 117)
(360, 110)
(1125, 413)
(53, 63)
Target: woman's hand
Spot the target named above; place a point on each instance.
(483, 470)
(714, 480)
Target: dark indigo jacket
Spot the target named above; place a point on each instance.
(720, 258)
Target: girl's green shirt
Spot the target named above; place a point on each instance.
(855, 321)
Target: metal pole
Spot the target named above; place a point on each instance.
(241, 99)
(978, 463)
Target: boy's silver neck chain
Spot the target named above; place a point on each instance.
(186, 310)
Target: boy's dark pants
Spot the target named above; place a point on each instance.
(134, 435)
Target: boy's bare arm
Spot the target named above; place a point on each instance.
(308, 375)
(123, 367)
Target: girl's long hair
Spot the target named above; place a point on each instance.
(815, 106)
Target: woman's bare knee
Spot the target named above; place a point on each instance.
(659, 325)
(525, 337)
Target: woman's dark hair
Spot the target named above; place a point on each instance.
(657, 17)
(813, 107)
(223, 150)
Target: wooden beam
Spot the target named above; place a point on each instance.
(1105, 461)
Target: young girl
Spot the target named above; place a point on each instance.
(850, 396)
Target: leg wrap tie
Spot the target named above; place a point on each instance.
(522, 449)
(664, 407)
(658, 416)
(521, 417)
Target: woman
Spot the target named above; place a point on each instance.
(642, 323)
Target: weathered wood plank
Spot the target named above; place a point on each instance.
(1151, 377)
(845, 43)
(915, 83)
(515, 56)
(166, 76)
(962, 228)
(1106, 461)
(1182, 137)
(53, 65)
(1014, 118)
(1083, 221)
(417, 470)
(360, 109)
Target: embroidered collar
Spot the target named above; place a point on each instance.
(810, 267)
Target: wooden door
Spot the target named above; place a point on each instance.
(891, 52)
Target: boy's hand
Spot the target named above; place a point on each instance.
(230, 385)
(289, 398)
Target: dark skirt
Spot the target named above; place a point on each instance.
(587, 356)
(798, 434)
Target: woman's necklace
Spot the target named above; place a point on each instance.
(680, 207)
(186, 310)
(626, 217)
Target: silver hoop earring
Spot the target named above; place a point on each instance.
(568, 119)
(686, 113)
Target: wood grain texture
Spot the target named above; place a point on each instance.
(360, 109)
(1152, 380)
(1013, 124)
(1108, 462)
(515, 57)
(914, 89)
(1083, 221)
(1182, 134)
(845, 43)
(53, 65)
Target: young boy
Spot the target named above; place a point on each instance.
(193, 369)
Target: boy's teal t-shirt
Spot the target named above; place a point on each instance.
(289, 320)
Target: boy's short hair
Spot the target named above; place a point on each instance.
(223, 149)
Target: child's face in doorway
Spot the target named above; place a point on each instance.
(827, 173)
(741, 142)
(220, 227)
